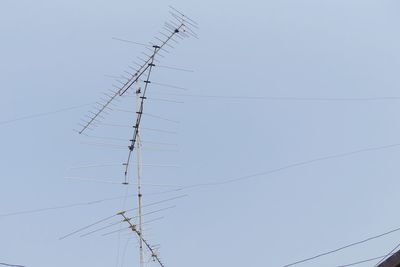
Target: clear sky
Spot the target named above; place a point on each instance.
(56, 55)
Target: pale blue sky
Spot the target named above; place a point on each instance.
(55, 54)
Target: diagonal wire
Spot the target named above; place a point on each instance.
(294, 165)
(120, 225)
(174, 68)
(11, 265)
(362, 261)
(132, 79)
(112, 216)
(343, 247)
(129, 41)
(79, 204)
(42, 114)
(387, 255)
(116, 223)
(88, 226)
(288, 98)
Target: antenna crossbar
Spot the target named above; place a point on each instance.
(139, 234)
(139, 118)
(147, 64)
(143, 68)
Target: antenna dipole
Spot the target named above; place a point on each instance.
(139, 116)
(148, 64)
(134, 229)
(179, 27)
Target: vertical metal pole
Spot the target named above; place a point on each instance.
(139, 189)
(140, 96)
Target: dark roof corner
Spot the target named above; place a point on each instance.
(392, 261)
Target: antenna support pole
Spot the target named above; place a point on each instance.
(139, 189)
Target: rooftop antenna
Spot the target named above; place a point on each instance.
(179, 27)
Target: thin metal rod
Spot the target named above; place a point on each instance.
(116, 223)
(88, 226)
(387, 255)
(139, 191)
(139, 115)
(187, 18)
(134, 78)
(129, 41)
(175, 68)
(120, 230)
(11, 265)
(139, 234)
(145, 66)
(108, 102)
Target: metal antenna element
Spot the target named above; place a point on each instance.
(179, 29)
(139, 191)
(133, 227)
(142, 97)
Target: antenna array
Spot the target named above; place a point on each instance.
(178, 28)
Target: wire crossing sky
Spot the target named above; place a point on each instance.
(12, 265)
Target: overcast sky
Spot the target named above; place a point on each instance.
(325, 72)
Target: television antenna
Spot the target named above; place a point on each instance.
(177, 28)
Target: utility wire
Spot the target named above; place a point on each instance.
(293, 165)
(116, 223)
(279, 169)
(175, 68)
(246, 177)
(43, 114)
(387, 255)
(129, 41)
(343, 247)
(79, 204)
(112, 216)
(12, 265)
(362, 261)
(290, 98)
(86, 227)
(282, 168)
(287, 98)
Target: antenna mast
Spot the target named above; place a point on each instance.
(177, 28)
(139, 189)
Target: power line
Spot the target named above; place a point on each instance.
(129, 41)
(288, 98)
(282, 168)
(11, 265)
(362, 261)
(112, 216)
(279, 169)
(42, 114)
(79, 204)
(243, 97)
(116, 223)
(343, 247)
(293, 165)
(388, 254)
